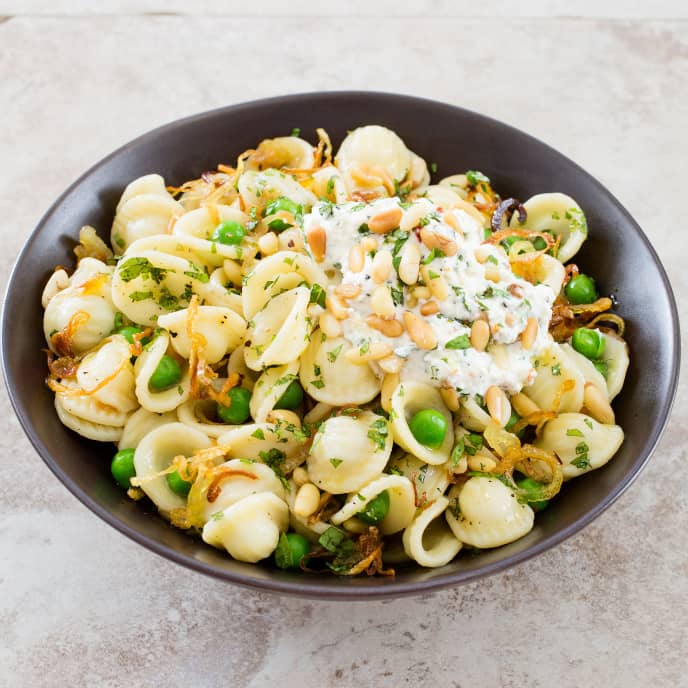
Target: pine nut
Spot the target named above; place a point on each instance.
(356, 258)
(420, 332)
(284, 416)
(382, 303)
(390, 328)
(307, 500)
(336, 306)
(292, 240)
(433, 239)
(450, 219)
(330, 325)
(480, 335)
(529, 333)
(385, 221)
(421, 293)
(509, 319)
(347, 291)
(391, 363)
(498, 405)
(429, 308)
(461, 466)
(382, 266)
(492, 272)
(233, 272)
(436, 283)
(389, 384)
(410, 263)
(369, 244)
(482, 252)
(300, 476)
(481, 464)
(597, 404)
(268, 244)
(524, 405)
(450, 398)
(317, 240)
(374, 352)
(355, 525)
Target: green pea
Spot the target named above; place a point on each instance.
(429, 427)
(581, 289)
(166, 375)
(292, 396)
(282, 203)
(228, 232)
(376, 509)
(539, 243)
(531, 489)
(122, 468)
(178, 484)
(238, 410)
(291, 549)
(129, 332)
(588, 342)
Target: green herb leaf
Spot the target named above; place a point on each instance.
(461, 342)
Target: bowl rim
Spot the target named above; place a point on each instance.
(324, 588)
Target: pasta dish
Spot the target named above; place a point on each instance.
(335, 362)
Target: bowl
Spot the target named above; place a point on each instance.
(617, 253)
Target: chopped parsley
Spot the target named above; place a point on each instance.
(574, 432)
(332, 355)
(474, 177)
(461, 342)
(140, 267)
(336, 462)
(457, 452)
(296, 131)
(318, 295)
(197, 273)
(378, 432)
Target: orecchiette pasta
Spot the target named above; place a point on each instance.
(338, 361)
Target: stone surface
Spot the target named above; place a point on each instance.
(82, 606)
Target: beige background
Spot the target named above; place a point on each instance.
(604, 82)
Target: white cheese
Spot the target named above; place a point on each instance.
(506, 300)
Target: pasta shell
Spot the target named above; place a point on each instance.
(581, 443)
(256, 439)
(329, 377)
(428, 540)
(348, 452)
(140, 423)
(484, 513)
(194, 413)
(559, 214)
(269, 387)
(155, 453)
(616, 357)
(249, 530)
(85, 428)
(272, 275)
(554, 368)
(112, 358)
(259, 188)
(402, 503)
(140, 216)
(283, 151)
(374, 147)
(407, 400)
(585, 367)
(429, 482)
(146, 363)
(280, 332)
(242, 478)
(221, 328)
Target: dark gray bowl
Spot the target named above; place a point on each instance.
(618, 254)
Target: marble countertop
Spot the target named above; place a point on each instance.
(605, 83)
